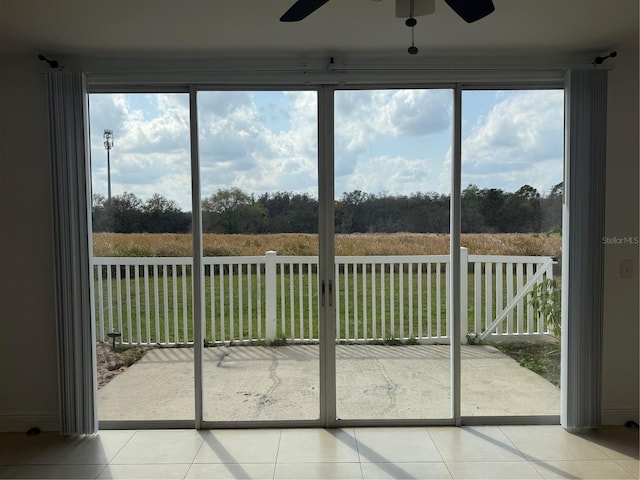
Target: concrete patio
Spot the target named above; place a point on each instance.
(276, 383)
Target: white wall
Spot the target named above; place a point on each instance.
(28, 396)
(621, 317)
(28, 372)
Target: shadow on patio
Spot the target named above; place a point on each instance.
(277, 383)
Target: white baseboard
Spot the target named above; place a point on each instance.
(619, 416)
(23, 423)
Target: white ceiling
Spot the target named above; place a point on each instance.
(350, 27)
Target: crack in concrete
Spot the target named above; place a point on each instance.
(391, 387)
(265, 399)
(221, 356)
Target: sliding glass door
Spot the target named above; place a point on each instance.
(258, 175)
(392, 269)
(512, 189)
(142, 247)
(327, 280)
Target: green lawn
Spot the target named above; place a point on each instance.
(542, 358)
(382, 322)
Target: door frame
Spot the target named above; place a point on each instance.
(325, 84)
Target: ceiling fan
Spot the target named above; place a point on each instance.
(469, 10)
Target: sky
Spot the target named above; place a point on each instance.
(395, 142)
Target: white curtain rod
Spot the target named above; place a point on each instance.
(328, 63)
(307, 79)
(179, 73)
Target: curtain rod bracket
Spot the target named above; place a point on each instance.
(52, 63)
(599, 60)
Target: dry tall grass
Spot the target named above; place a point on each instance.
(180, 245)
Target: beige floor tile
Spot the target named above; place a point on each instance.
(631, 466)
(239, 446)
(231, 470)
(132, 472)
(89, 450)
(417, 471)
(489, 452)
(474, 444)
(581, 469)
(618, 443)
(552, 442)
(381, 445)
(493, 470)
(19, 448)
(161, 446)
(7, 470)
(58, 471)
(317, 445)
(319, 471)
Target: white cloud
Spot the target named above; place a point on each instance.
(241, 149)
(392, 141)
(151, 151)
(520, 141)
(241, 143)
(391, 175)
(364, 115)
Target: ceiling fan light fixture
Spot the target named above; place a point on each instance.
(420, 7)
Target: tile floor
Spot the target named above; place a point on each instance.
(491, 452)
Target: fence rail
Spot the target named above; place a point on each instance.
(271, 297)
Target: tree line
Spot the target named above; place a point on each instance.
(489, 210)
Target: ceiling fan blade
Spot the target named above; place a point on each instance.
(471, 10)
(301, 9)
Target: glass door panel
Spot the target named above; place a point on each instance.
(258, 170)
(392, 267)
(512, 173)
(142, 247)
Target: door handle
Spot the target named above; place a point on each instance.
(330, 293)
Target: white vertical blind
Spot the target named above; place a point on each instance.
(68, 125)
(583, 228)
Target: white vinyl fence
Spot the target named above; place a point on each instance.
(271, 297)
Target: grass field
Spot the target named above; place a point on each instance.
(180, 245)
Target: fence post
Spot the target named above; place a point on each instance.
(464, 294)
(270, 294)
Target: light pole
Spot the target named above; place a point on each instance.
(108, 145)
